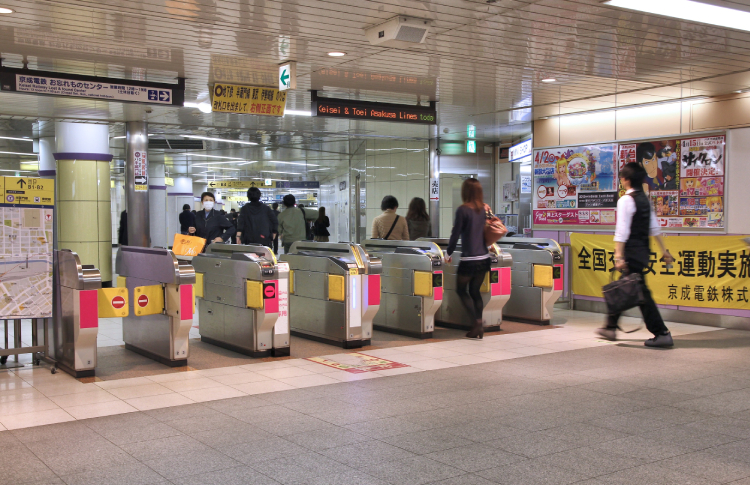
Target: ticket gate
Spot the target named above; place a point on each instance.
(75, 323)
(161, 303)
(334, 292)
(244, 299)
(537, 278)
(411, 285)
(495, 291)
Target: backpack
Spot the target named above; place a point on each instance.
(255, 226)
(309, 235)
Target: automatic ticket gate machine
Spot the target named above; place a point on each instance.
(412, 286)
(537, 278)
(161, 303)
(334, 292)
(495, 290)
(244, 296)
(76, 314)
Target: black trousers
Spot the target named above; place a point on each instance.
(469, 283)
(276, 245)
(649, 310)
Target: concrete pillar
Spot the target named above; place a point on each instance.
(84, 220)
(47, 163)
(157, 206)
(177, 196)
(434, 174)
(136, 151)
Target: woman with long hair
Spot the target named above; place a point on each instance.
(320, 227)
(471, 218)
(418, 220)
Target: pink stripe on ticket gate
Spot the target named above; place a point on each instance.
(559, 282)
(505, 280)
(271, 296)
(186, 302)
(437, 292)
(373, 289)
(89, 308)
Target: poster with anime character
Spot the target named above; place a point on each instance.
(660, 159)
(702, 186)
(574, 178)
(664, 202)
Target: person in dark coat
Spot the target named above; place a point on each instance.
(276, 211)
(122, 231)
(210, 224)
(321, 225)
(257, 223)
(187, 220)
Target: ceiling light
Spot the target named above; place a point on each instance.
(5, 10)
(297, 112)
(6, 170)
(17, 139)
(224, 140)
(203, 107)
(337, 54)
(689, 10)
(274, 171)
(212, 156)
(294, 163)
(549, 80)
(18, 153)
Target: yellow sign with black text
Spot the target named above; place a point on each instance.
(708, 271)
(254, 100)
(29, 191)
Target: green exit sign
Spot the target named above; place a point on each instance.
(471, 146)
(471, 131)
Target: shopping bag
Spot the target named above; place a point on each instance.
(623, 294)
(188, 245)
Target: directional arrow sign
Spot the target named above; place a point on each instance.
(21, 183)
(288, 76)
(141, 180)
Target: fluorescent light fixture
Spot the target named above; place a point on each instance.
(293, 163)
(337, 54)
(6, 170)
(6, 11)
(16, 139)
(123, 136)
(18, 153)
(549, 80)
(224, 140)
(212, 156)
(295, 112)
(689, 10)
(275, 171)
(203, 107)
(631, 106)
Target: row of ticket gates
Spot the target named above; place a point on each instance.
(252, 303)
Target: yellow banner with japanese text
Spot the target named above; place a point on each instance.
(708, 272)
(231, 98)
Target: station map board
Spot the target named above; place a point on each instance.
(578, 186)
(26, 249)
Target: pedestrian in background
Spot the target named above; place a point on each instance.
(122, 231)
(390, 225)
(321, 225)
(275, 207)
(211, 224)
(636, 221)
(418, 220)
(292, 223)
(471, 218)
(257, 223)
(187, 219)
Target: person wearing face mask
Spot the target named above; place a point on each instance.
(210, 224)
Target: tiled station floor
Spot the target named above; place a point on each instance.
(552, 406)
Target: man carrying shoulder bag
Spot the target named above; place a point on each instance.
(257, 223)
(635, 222)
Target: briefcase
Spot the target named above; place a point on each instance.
(624, 294)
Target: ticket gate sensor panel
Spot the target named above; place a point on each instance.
(76, 316)
(161, 305)
(244, 303)
(495, 290)
(334, 292)
(537, 278)
(411, 285)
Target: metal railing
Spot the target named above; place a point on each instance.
(17, 348)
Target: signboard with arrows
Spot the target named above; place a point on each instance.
(239, 184)
(140, 164)
(29, 191)
(288, 76)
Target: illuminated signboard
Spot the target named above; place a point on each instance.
(471, 146)
(520, 152)
(362, 110)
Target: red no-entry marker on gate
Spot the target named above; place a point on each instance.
(269, 291)
(142, 301)
(119, 302)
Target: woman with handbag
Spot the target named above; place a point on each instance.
(471, 226)
(635, 222)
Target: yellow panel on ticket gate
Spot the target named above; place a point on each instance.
(543, 276)
(422, 283)
(113, 302)
(254, 291)
(122, 282)
(148, 300)
(198, 285)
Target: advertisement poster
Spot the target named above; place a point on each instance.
(575, 185)
(708, 271)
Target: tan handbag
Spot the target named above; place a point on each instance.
(494, 229)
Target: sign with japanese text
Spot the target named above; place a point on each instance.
(435, 189)
(520, 152)
(92, 89)
(575, 185)
(30, 191)
(231, 98)
(708, 271)
(140, 165)
(239, 184)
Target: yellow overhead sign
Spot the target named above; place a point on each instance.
(237, 199)
(29, 191)
(169, 181)
(231, 98)
(239, 184)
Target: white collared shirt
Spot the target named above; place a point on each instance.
(625, 212)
